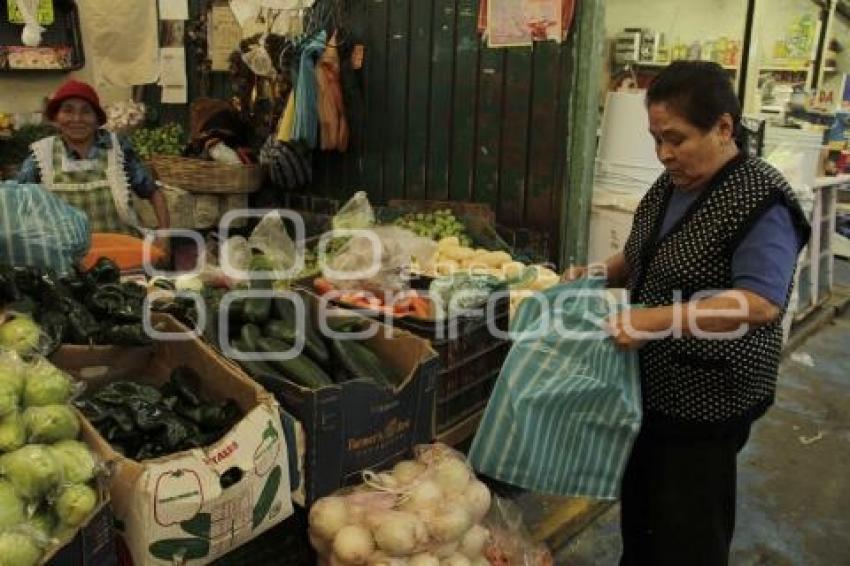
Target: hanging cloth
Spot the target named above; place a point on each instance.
(287, 120)
(306, 127)
(334, 126)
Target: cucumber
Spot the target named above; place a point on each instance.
(313, 342)
(300, 369)
(280, 330)
(255, 368)
(362, 363)
(184, 549)
(250, 334)
(264, 502)
(347, 323)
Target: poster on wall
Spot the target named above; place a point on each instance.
(512, 23)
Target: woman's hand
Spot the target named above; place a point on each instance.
(622, 331)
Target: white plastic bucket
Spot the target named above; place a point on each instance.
(624, 138)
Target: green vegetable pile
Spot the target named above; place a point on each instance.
(435, 225)
(142, 422)
(164, 140)
(94, 307)
(270, 325)
(46, 474)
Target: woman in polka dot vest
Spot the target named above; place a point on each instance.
(710, 261)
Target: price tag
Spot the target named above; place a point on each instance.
(45, 12)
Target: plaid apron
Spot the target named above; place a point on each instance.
(85, 184)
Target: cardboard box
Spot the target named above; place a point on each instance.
(176, 505)
(357, 425)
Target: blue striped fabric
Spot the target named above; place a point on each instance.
(39, 229)
(566, 408)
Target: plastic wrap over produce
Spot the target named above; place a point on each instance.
(39, 229)
(379, 259)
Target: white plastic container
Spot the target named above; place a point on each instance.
(626, 152)
(806, 145)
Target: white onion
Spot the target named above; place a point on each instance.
(473, 541)
(424, 559)
(407, 471)
(450, 524)
(477, 498)
(353, 544)
(445, 550)
(452, 476)
(327, 516)
(456, 560)
(400, 533)
(424, 495)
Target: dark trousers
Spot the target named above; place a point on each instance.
(677, 504)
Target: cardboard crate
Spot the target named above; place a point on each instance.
(176, 503)
(357, 425)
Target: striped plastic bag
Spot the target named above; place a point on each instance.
(566, 407)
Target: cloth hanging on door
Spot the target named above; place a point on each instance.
(306, 127)
(566, 408)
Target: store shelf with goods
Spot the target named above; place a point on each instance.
(778, 67)
(661, 64)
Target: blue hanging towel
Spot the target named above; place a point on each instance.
(566, 408)
(306, 127)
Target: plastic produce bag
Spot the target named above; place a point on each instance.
(566, 407)
(423, 510)
(39, 229)
(268, 238)
(510, 544)
(379, 259)
(356, 214)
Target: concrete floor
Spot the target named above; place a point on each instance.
(794, 474)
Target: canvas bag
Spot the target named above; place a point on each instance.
(566, 408)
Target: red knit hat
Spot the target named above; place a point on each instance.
(75, 89)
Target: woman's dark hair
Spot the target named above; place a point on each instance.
(700, 91)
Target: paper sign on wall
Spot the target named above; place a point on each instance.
(173, 9)
(511, 23)
(172, 75)
(224, 35)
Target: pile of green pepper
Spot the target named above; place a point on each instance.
(143, 422)
(92, 307)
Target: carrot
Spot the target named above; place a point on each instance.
(322, 285)
(421, 307)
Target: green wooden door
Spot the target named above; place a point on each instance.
(447, 118)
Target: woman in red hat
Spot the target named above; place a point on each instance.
(90, 167)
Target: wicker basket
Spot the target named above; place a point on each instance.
(202, 176)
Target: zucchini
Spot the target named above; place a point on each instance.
(313, 342)
(363, 363)
(183, 549)
(300, 369)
